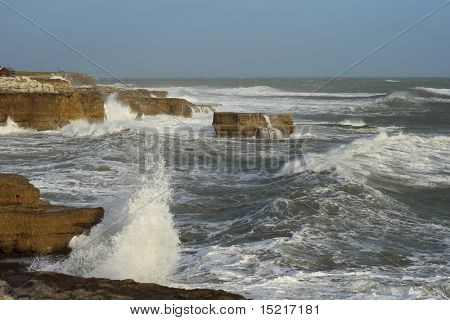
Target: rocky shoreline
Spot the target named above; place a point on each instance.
(31, 226)
(48, 101)
(51, 100)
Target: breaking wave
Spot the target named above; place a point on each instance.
(402, 158)
(137, 241)
(401, 97)
(11, 127)
(118, 117)
(440, 91)
(116, 110)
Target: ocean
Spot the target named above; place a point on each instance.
(354, 205)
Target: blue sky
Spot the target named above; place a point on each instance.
(245, 38)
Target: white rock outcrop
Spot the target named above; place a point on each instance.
(24, 84)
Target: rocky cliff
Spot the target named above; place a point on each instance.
(259, 125)
(49, 111)
(50, 100)
(29, 224)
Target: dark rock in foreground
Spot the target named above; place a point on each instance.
(19, 284)
(31, 225)
(231, 124)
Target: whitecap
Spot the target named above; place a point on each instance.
(408, 159)
(353, 123)
(440, 91)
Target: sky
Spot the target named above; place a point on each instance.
(232, 38)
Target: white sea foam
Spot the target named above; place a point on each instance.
(11, 127)
(269, 132)
(392, 81)
(136, 241)
(404, 158)
(302, 132)
(440, 91)
(118, 117)
(353, 123)
(116, 110)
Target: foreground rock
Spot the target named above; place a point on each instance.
(50, 111)
(19, 284)
(30, 225)
(231, 124)
(17, 190)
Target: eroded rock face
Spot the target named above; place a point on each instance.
(29, 224)
(231, 124)
(50, 111)
(19, 284)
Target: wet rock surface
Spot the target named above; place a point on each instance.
(31, 225)
(17, 283)
(231, 124)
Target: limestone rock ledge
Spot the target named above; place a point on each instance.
(232, 124)
(30, 225)
(50, 111)
(51, 100)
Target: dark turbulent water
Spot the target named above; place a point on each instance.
(356, 204)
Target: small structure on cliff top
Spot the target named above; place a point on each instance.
(5, 72)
